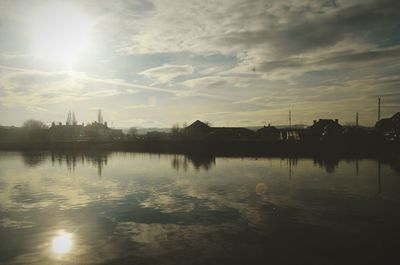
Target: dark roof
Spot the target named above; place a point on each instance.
(230, 132)
(324, 124)
(389, 124)
(384, 124)
(267, 129)
(197, 126)
(231, 129)
(396, 117)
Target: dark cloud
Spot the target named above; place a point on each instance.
(335, 60)
(375, 22)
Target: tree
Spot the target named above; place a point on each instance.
(32, 125)
(34, 129)
(175, 129)
(132, 131)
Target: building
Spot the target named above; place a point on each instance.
(202, 130)
(269, 132)
(101, 131)
(72, 131)
(326, 128)
(389, 127)
(197, 128)
(66, 132)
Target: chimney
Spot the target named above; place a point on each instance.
(314, 121)
(337, 121)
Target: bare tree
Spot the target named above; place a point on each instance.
(132, 131)
(175, 129)
(34, 125)
(34, 129)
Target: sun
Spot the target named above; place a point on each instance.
(60, 33)
(62, 243)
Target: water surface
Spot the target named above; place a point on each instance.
(132, 208)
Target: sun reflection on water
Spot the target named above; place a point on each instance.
(62, 243)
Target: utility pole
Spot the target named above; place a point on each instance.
(357, 119)
(290, 119)
(379, 109)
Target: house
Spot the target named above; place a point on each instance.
(326, 128)
(269, 132)
(66, 132)
(390, 127)
(200, 129)
(197, 128)
(230, 132)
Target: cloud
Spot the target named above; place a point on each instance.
(40, 88)
(206, 82)
(13, 224)
(264, 56)
(167, 73)
(151, 102)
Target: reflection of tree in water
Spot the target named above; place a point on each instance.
(199, 161)
(291, 161)
(330, 164)
(33, 159)
(97, 159)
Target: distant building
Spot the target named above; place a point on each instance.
(231, 132)
(66, 132)
(269, 132)
(200, 129)
(98, 130)
(390, 127)
(326, 128)
(71, 131)
(197, 128)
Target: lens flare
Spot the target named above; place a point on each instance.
(60, 33)
(62, 243)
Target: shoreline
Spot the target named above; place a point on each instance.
(220, 148)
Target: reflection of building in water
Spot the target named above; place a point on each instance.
(330, 164)
(97, 159)
(199, 161)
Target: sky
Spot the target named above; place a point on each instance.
(154, 63)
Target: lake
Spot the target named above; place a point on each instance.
(137, 208)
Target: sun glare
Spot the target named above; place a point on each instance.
(62, 243)
(60, 33)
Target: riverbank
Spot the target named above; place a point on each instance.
(239, 147)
